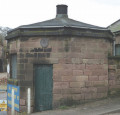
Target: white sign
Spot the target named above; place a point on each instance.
(8, 68)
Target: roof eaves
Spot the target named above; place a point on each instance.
(117, 32)
(13, 30)
(31, 27)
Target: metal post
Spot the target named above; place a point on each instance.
(29, 101)
(12, 112)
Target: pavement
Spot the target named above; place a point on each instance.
(3, 113)
(109, 106)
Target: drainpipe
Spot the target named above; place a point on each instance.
(114, 48)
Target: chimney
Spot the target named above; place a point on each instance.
(62, 11)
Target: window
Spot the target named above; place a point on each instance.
(14, 66)
(117, 49)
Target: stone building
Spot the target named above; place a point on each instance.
(115, 28)
(63, 61)
(114, 61)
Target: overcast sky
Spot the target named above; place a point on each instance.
(14, 13)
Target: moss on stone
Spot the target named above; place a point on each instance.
(114, 92)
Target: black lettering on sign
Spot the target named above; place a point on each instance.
(32, 50)
(41, 55)
(47, 49)
(41, 50)
(38, 49)
(37, 55)
(29, 55)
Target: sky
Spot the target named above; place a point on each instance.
(14, 13)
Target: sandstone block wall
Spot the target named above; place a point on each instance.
(83, 73)
(80, 67)
(117, 39)
(3, 81)
(114, 76)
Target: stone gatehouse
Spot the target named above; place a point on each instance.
(62, 61)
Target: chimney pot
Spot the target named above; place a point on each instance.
(62, 11)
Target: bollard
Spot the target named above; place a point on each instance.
(12, 112)
(29, 101)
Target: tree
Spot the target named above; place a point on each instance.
(3, 44)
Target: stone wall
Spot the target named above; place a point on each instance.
(3, 81)
(80, 67)
(114, 72)
(82, 74)
(114, 76)
(117, 39)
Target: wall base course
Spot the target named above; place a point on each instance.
(114, 79)
(22, 102)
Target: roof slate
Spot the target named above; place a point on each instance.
(115, 27)
(62, 22)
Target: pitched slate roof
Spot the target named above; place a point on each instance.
(115, 27)
(61, 25)
(62, 22)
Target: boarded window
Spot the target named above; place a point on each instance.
(14, 66)
(117, 49)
